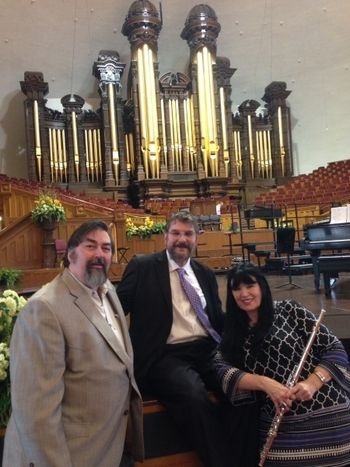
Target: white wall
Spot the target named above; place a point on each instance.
(303, 42)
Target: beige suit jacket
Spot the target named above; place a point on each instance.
(73, 387)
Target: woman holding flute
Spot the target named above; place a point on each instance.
(263, 343)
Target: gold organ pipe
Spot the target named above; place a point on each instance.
(55, 158)
(51, 153)
(153, 94)
(202, 111)
(143, 109)
(37, 141)
(176, 149)
(251, 158)
(113, 123)
(94, 141)
(194, 151)
(238, 155)
(92, 159)
(269, 153)
(88, 172)
(65, 162)
(280, 128)
(172, 144)
(224, 129)
(75, 145)
(75, 136)
(223, 118)
(266, 153)
(132, 150)
(60, 159)
(152, 111)
(148, 90)
(178, 132)
(165, 146)
(187, 133)
(172, 132)
(211, 113)
(258, 151)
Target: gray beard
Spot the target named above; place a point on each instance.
(95, 278)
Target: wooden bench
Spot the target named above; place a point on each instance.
(164, 444)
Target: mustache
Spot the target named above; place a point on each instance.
(182, 245)
(97, 262)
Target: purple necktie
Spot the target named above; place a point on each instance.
(196, 303)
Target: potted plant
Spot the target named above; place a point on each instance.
(9, 277)
(48, 209)
(47, 213)
(145, 230)
(10, 305)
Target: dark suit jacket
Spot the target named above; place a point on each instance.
(145, 293)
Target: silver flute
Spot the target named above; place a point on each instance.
(292, 380)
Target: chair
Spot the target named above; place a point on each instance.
(60, 247)
(204, 222)
(215, 221)
(285, 239)
(121, 252)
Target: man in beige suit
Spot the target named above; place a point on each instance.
(75, 402)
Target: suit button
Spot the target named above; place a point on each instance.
(126, 412)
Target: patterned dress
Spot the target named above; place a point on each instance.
(312, 433)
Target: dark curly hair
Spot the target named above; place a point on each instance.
(237, 321)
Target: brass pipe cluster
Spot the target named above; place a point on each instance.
(148, 111)
(92, 139)
(207, 112)
(57, 155)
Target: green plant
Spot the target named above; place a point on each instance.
(145, 230)
(48, 208)
(10, 305)
(9, 277)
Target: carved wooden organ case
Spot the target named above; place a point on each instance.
(175, 135)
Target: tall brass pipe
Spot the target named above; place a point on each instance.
(37, 141)
(65, 161)
(51, 154)
(165, 145)
(113, 123)
(88, 165)
(202, 111)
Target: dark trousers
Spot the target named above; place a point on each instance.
(180, 380)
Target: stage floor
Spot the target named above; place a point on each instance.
(337, 307)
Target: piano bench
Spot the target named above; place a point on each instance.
(300, 268)
(262, 254)
(330, 266)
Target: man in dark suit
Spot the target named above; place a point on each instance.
(173, 350)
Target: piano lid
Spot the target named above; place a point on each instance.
(263, 212)
(326, 236)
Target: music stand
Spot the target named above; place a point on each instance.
(285, 244)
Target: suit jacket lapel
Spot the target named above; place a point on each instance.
(163, 279)
(87, 307)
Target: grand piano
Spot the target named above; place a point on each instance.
(267, 213)
(328, 238)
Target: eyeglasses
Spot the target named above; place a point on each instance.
(177, 233)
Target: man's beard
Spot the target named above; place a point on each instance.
(178, 256)
(94, 278)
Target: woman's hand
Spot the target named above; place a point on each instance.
(304, 390)
(279, 394)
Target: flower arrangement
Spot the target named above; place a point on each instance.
(10, 305)
(145, 230)
(48, 208)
